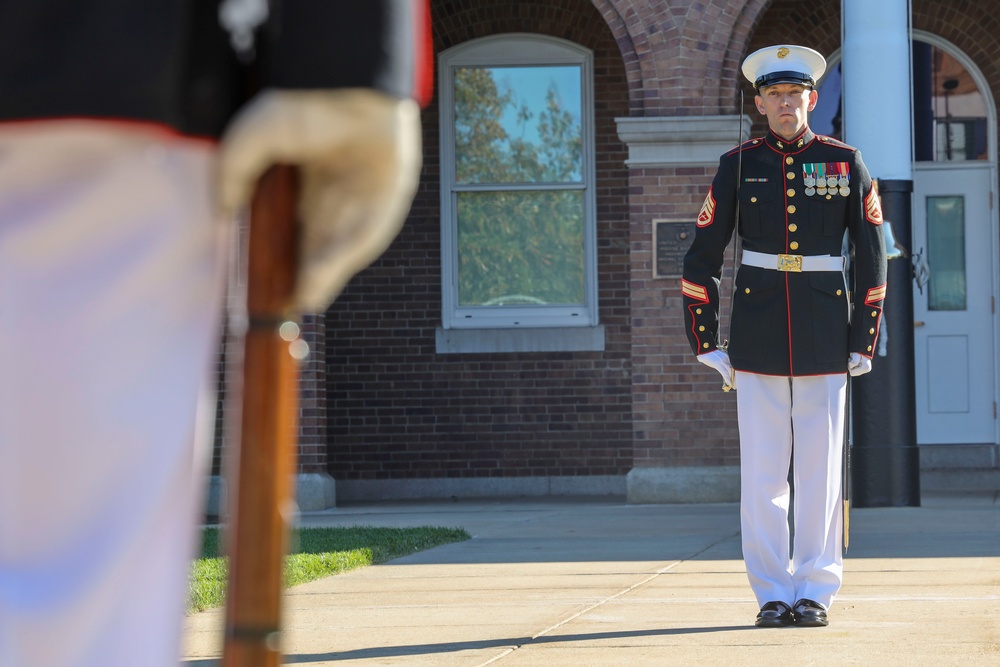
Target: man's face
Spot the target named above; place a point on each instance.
(786, 106)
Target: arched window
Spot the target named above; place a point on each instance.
(517, 184)
(949, 111)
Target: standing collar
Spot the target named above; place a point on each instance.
(789, 146)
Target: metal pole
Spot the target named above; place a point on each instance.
(885, 455)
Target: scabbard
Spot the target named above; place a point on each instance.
(846, 476)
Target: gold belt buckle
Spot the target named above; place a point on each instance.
(791, 263)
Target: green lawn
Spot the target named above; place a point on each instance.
(316, 553)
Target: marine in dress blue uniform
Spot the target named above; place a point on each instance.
(128, 138)
(797, 326)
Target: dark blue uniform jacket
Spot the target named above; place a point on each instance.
(169, 62)
(796, 197)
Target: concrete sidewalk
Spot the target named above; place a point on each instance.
(598, 582)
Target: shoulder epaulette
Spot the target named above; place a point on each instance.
(746, 145)
(836, 143)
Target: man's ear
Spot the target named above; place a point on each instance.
(813, 97)
(760, 104)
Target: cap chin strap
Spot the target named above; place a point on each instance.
(787, 76)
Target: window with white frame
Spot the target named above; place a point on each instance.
(517, 184)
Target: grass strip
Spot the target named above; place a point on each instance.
(315, 553)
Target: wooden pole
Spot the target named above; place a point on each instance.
(260, 475)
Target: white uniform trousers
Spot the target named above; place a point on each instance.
(111, 267)
(802, 419)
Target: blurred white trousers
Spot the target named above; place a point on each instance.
(111, 278)
(779, 415)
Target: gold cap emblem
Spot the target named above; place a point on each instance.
(783, 52)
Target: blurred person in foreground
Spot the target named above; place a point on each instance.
(796, 330)
(127, 146)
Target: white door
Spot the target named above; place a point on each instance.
(954, 337)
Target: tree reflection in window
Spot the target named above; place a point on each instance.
(519, 127)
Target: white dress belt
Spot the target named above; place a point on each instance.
(793, 263)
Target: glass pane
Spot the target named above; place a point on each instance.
(518, 125)
(520, 248)
(949, 112)
(946, 253)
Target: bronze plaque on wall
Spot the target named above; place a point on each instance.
(671, 240)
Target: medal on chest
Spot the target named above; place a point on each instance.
(826, 178)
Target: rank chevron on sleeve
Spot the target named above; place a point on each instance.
(692, 291)
(875, 295)
(873, 208)
(707, 214)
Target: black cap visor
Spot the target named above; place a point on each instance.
(784, 77)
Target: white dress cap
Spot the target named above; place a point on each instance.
(784, 63)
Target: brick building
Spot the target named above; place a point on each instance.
(425, 383)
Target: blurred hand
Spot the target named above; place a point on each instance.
(858, 364)
(719, 360)
(358, 154)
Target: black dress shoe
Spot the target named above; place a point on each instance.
(809, 614)
(774, 615)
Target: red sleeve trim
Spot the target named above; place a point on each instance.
(423, 58)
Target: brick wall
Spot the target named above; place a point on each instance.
(682, 418)
(688, 55)
(313, 398)
(396, 408)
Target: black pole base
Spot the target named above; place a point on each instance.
(885, 459)
(885, 476)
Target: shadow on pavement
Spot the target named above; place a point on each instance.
(450, 647)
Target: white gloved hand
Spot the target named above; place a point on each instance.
(858, 364)
(719, 360)
(358, 155)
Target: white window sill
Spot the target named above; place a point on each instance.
(553, 339)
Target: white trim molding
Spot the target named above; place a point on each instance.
(681, 140)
